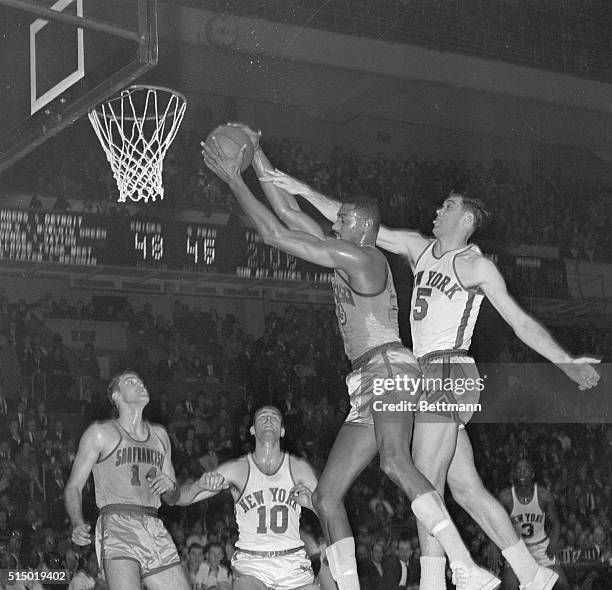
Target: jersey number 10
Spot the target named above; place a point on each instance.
(272, 519)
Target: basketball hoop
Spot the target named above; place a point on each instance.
(135, 129)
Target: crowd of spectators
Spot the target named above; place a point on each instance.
(288, 366)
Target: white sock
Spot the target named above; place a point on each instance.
(431, 511)
(521, 561)
(342, 563)
(433, 573)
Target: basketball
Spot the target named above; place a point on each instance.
(231, 140)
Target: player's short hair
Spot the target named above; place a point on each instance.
(195, 546)
(268, 407)
(113, 385)
(476, 207)
(366, 209)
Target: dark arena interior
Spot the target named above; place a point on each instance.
(403, 101)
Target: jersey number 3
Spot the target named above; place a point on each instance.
(273, 520)
(419, 311)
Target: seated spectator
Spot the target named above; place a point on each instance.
(212, 573)
(28, 469)
(193, 563)
(198, 535)
(90, 361)
(210, 460)
(42, 419)
(31, 434)
(88, 576)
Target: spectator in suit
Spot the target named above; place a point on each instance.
(14, 438)
(24, 397)
(48, 455)
(168, 367)
(371, 574)
(42, 418)
(194, 561)
(5, 450)
(210, 460)
(90, 361)
(20, 415)
(5, 531)
(188, 405)
(213, 368)
(31, 434)
(54, 493)
(212, 574)
(400, 571)
(57, 434)
(4, 406)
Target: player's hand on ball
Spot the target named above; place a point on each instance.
(580, 371)
(226, 168)
(302, 495)
(80, 534)
(283, 181)
(160, 484)
(253, 135)
(212, 482)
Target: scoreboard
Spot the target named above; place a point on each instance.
(117, 240)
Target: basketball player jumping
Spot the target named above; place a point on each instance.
(451, 278)
(534, 516)
(269, 488)
(132, 470)
(367, 314)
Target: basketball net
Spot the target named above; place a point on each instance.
(135, 129)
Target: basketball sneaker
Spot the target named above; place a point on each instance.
(544, 580)
(472, 577)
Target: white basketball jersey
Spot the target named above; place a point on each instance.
(268, 517)
(528, 519)
(444, 312)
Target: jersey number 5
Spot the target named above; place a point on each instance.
(419, 310)
(273, 520)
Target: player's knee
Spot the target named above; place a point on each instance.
(393, 464)
(468, 496)
(324, 502)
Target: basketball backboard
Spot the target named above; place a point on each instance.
(60, 58)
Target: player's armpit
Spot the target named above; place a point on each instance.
(330, 253)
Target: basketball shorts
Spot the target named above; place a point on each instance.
(385, 382)
(135, 533)
(538, 551)
(450, 387)
(281, 572)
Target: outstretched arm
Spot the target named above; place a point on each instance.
(330, 253)
(284, 204)
(408, 243)
(209, 485)
(484, 274)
